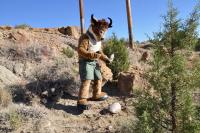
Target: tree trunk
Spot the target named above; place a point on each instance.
(173, 93)
(173, 107)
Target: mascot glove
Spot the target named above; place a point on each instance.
(110, 60)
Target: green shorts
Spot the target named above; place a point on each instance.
(89, 70)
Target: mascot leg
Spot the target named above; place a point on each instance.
(98, 95)
(83, 95)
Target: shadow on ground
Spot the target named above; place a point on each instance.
(50, 91)
(68, 109)
(111, 89)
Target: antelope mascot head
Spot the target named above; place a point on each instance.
(98, 28)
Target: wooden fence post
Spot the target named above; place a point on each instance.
(81, 15)
(129, 19)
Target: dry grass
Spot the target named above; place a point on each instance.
(5, 97)
(18, 117)
(15, 120)
(68, 52)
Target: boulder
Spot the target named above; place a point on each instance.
(19, 36)
(73, 31)
(7, 78)
(132, 80)
(18, 69)
(145, 56)
(126, 82)
(146, 45)
(6, 27)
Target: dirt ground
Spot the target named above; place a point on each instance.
(63, 117)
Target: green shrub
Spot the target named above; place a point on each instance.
(118, 48)
(22, 26)
(198, 111)
(68, 52)
(197, 47)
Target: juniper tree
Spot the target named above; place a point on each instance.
(190, 37)
(117, 47)
(169, 107)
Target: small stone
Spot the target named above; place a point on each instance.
(18, 68)
(45, 93)
(53, 90)
(44, 101)
(110, 128)
(115, 108)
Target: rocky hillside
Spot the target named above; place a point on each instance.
(39, 55)
(39, 82)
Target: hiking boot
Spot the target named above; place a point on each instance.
(100, 97)
(83, 105)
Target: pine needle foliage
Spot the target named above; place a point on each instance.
(169, 107)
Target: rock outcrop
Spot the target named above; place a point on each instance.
(126, 82)
(73, 31)
(7, 78)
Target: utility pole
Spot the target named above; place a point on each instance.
(81, 15)
(129, 19)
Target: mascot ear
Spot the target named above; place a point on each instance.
(93, 20)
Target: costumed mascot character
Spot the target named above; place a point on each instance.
(90, 53)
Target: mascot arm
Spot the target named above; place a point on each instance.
(103, 56)
(82, 50)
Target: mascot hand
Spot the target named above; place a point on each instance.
(112, 57)
(110, 60)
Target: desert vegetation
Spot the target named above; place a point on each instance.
(22, 26)
(118, 47)
(167, 105)
(156, 84)
(5, 97)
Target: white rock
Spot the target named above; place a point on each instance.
(114, 108)
(110, 128)
(7, 78)
(18, 68)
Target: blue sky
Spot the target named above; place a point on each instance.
(57, 13)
